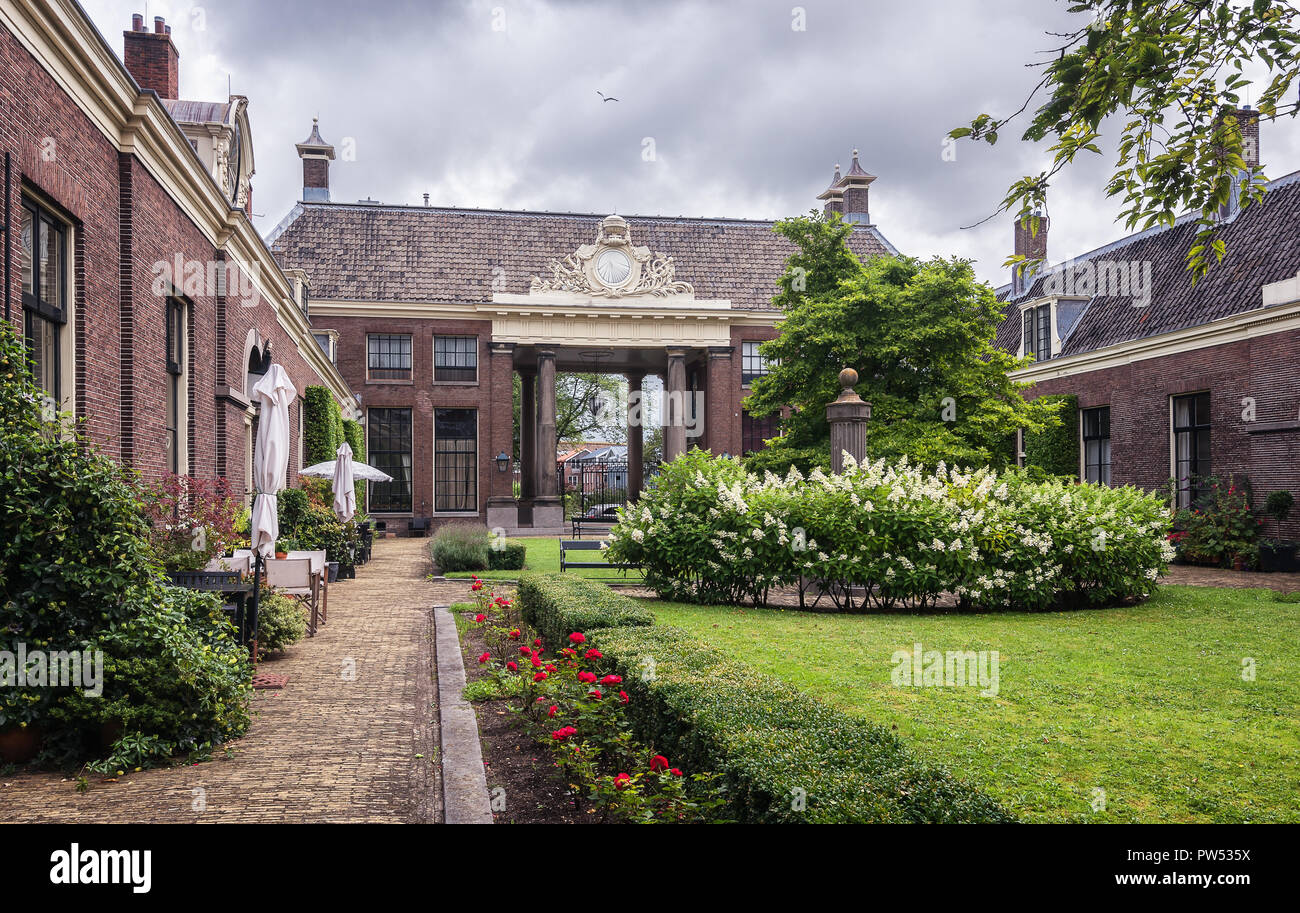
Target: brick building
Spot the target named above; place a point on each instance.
(149, 302)
(430, 312)
(1174, 379)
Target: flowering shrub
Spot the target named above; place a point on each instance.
(192, 520)
(1221, 529)
(892, 536)
(580, 716)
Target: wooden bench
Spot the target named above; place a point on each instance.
(587, 545)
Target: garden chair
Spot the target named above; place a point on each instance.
(236, 563)
(319, 570)
(294, 577)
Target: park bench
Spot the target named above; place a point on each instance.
(591, 524)
(587, 545)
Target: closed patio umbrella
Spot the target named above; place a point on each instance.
(345, 493)
(273, 393)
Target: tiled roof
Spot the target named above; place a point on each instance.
(374, 252)
(1263, 246)
(197, 112)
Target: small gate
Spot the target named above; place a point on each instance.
(595, 489)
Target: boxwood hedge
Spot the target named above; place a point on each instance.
(783, 756)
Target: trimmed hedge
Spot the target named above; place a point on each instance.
(322, 425)
(1056, 450)
(509, 556)
(558, 605)
(783, 756)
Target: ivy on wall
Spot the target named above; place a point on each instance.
(322, 425)
(1056, 450)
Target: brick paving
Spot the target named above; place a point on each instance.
(1194, 575)
(323, 748)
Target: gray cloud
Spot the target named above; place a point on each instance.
(747, 115)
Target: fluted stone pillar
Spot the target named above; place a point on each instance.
(547, 509)
(673, 415)
(635, 438)
(527, 435)
(848, 417)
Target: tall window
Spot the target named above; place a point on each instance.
(754, 431)
(43, 269)
(753, 364)
(455, 460)
(389, 450)
(175, 381)
(326, 342)
(1096, 445)
(1191, 445)
(1038, 332)
(388, 357)
(455, 358)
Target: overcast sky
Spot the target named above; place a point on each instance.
(494, 104)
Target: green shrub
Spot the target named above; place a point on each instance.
(559, 604)
(460, 547)
(1055, 450)
(307, 522)
(322, 425)
(281, 622)
(1221, 527)
(783, 757)
(506, 556)
(707, 531)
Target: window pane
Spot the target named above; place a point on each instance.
(51, 254)
(389, 450)
(1183, 412)
(43, 350)
(389, 357)
(752, 363)
(173, 383)
(1044, 350)
(455, 358)
(25, 249)
(455, 460)
(1029, 333)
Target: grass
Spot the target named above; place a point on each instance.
(1146, 703)
(544, 555)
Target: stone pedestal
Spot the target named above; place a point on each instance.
(548, 512)
(848, 417)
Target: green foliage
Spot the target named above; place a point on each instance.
(921, 337)
(193, 520)
(280, 622)
(460, 547)
(1220, 528)
(322, 425)
(783, 756)
(1171, 70)
(708, 531)
(1278, 505)
(559, 604)
(307, 521)
(1055, 449)
(506, 556)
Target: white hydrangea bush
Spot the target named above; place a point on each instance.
(892, 536)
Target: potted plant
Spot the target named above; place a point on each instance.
(1278, 554)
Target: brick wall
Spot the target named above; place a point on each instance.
(1262, 369)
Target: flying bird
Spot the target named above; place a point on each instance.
(605, 97)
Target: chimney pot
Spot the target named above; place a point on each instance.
(152, 58)
(1030, 245)
(159, 25)
(137, 22)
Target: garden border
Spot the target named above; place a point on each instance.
(464, 782)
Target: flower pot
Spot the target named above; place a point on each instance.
(19, 744)
(281, 555)
(334, 571)
(1277, 556)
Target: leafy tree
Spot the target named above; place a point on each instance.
(920, 334)
(1173, 69)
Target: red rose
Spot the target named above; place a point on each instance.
(623, 696)
(676, 772)
(539, 677)
(593, 653)
(563, 733)
(478, 585)
(537, 642)
(554, 710)
(658, 762)
(621, 781)
(512, 666)
(485, 657)
(578, 637)
(550, 667)
(537, 663)
(525, 651)
(588, 677)
(611, 680)
(480, 617)
(515, 634)
(595, 695)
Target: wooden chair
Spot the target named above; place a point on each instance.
(294, 577)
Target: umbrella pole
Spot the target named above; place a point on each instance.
(257, 592)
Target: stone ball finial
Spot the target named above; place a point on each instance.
(848, 377)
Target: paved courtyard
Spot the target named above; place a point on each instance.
(329, 747)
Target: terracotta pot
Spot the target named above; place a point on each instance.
(282, 555)
(20, 744)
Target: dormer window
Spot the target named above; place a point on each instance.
(1038, 332)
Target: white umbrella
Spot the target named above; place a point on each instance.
(271, 464)
(345, 495)
(360, 472)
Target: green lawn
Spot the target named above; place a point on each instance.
(1146, 703)
(544, 555)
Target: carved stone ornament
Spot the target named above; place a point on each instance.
(613, 267)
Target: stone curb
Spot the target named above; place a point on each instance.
(464, 784)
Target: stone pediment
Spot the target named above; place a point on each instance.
(613, 267)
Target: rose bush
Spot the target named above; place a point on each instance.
(884, 536)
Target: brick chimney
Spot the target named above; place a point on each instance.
(1248, 123)
(316, 155)
(151, 58)
(834, 194)
(854, 184)
(1032, 246)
